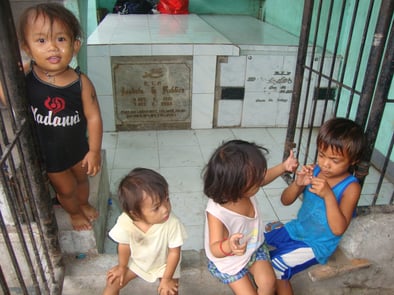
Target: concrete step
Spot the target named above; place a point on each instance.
(87, 276)
(338, 264)
(88, 241)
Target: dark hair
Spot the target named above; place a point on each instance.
(137, 184)
(54, 12)
(234, 168)
(343, 136)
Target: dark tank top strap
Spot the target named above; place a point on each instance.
(78, 70)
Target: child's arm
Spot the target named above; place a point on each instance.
(167, 284)
(290, 164)
(338, 215)
(120, 270)
(303, 178)
(95, 127)
(220, 242)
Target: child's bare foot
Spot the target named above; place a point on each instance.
(79, 222)
(90, 212)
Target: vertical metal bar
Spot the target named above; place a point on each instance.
(322, 60)
(14, 86)
(371, 75)
(11, 253)
(385, 164)
(360, 55)
(312, 120)
(298, 78)
(381, 93)
(338, 35)
(375, 112)
(346, 55)
(13, 206)
(3, 283)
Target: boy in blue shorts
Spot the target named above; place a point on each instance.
(330, 196)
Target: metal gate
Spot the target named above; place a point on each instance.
(30, 257)
(350, 93)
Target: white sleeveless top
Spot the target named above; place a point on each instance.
(251, 228)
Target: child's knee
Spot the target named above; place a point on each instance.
(265, 280)
(66, 194)
(266, 283)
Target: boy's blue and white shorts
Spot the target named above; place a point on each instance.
(260, 254)
(288, 256)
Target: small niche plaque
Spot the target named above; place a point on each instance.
(152, 92)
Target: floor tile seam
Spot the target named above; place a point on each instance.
(202, 155)
(270, 203)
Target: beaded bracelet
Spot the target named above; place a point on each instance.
(221, 248)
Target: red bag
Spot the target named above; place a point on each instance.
(173, 6)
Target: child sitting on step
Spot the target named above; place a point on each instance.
(234, 231)
(149, 236)
(330, 196)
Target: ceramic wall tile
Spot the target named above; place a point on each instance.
(202, 110)
(232, 72)
(97, 50)
(131, 50)
(99, 71)
(172, 49)
(204, 74)
(229, 113)
(258, 110)
(217, 49)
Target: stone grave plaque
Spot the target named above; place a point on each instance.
(152, 92)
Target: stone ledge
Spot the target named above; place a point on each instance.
(338, 264)
(88, 276)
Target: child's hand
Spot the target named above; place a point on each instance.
(92, 161)
(304, 176)
(237, 247)
(117, 272)
(320, 187)
(291, 163)
(168, 287)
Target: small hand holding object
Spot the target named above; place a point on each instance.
(237, 246)
(304, 176)
(291, 163)
(320, 187)
(167, 287)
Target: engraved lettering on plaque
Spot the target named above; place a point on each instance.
(152, 92)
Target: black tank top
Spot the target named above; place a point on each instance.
(60, 122)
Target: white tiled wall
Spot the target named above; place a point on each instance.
(264, 65)
(155, 35)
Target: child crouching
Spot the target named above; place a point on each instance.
(149, 236)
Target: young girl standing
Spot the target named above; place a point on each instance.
(234, 233)
(149, 236)
(64, 106)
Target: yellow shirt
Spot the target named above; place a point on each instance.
(149, 250)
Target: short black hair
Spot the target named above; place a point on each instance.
(138, 183)
(344, 136)
(234, 168)
(53, 12)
